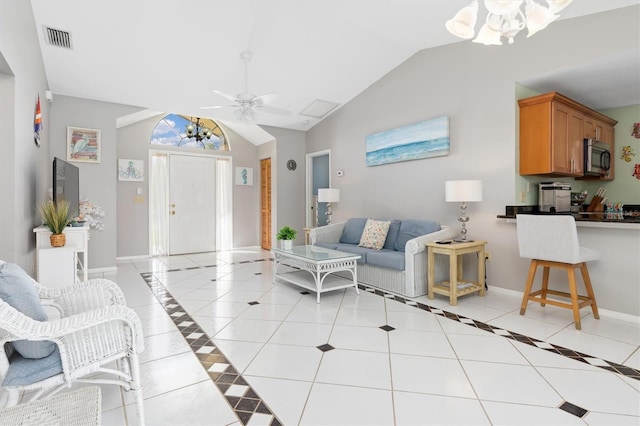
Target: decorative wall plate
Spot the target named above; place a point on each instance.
(291, 165)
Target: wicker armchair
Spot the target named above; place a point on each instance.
(93, 328)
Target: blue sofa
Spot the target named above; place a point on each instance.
(401, 265)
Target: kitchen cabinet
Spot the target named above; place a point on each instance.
(552, 132)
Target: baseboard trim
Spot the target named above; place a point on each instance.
(124, 258)
(603, 312)
(107, 270)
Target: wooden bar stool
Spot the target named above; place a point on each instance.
(551, 241)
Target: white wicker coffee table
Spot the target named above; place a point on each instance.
(80, 407)
(314, 268)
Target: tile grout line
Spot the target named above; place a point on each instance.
(223, 374)
(244, 406)
(550, 347)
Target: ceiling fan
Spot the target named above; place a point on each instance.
(247, 104)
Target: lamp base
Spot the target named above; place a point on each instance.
(463, 219)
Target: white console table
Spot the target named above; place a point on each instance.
(53, 264)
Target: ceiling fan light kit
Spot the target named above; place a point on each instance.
(505, 18)
(247, 104)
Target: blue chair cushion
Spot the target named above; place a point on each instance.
(17, 290)
(352, 231)
(25, 371)
(386, 259)
(412, 228)
(392, 235)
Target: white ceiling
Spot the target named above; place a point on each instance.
(168, 55)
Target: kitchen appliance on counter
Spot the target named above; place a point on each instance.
(597, 158)
(577, 200)
(554, 197)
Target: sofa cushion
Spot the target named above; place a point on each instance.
(24, 371)
(352, 231)
(351, 248)
(412, 228)
(374, 234)
(331, 246)
(392, 235)
(17, 290)
(386, 259)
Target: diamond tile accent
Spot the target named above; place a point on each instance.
(326, 347)
(206, 350)
(254, 303)
(237, 390)
(247, 405)
(573, 409)
(596, 361)
(218, 367)
(387, 328)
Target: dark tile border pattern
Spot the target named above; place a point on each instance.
(245, 401)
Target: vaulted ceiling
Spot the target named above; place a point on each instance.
(168, 55)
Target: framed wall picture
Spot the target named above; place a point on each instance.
(412, 142)
(244, 176)
(83, 145)
(130, 170)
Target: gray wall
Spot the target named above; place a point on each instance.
(475, 86)
(289, 184)
(97, 181)
(23, 164)
(133, 218)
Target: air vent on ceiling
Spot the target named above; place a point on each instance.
(58, 37)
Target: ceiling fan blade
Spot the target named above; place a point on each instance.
(218, 106)
(265, 99)
(225, 95)
(272, 110)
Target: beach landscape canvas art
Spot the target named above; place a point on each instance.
(412, 142)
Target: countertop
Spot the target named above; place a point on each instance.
(628, 219)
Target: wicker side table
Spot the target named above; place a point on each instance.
(80, 407)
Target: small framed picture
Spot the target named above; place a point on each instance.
(244, 176)
(83, 145)
(130, 170)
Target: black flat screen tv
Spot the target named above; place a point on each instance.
(66, 184)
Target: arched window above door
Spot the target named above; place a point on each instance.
(192, 132)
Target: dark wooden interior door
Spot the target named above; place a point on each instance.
(265, 203)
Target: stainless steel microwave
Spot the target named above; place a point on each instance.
(597, 158)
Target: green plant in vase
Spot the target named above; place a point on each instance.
(56, 217)
(286, 235)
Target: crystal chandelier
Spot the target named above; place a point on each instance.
(505, 18)
(198, 131)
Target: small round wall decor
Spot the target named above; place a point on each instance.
(291, 165)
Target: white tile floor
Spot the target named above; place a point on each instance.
(428, 370)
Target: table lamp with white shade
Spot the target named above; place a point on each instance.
(463, 191)
(328, 195)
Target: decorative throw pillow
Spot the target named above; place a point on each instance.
(374, 234)
(17, 290)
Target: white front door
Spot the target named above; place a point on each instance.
(191, 204)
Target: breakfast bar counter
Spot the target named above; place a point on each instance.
(616, 273)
